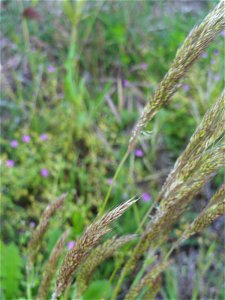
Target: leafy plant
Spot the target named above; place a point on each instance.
(11, 270)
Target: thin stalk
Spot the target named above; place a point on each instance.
(111, 186)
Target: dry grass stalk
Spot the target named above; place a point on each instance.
(96, 257)
(147, 281)
(85, 244)
(214, 209)
(189, 52)
(51, 266)
(42, 227)
(187, 182)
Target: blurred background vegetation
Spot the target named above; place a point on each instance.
(75, 77)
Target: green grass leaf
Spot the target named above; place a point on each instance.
(11, 263)
(99, 289)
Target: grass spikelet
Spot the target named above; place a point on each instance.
(148, 280)
(192, 47)
(210, 129)
(214, 209)
(51, 266)
(96, 257)
(85, 244)
(154, 289)
(42, 227)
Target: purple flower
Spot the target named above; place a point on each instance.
(44, 172)
(204, 55)
(139, 153)
(146, 197)
(186, 87)
(51, 69)
(70, 245)
(26, 138)
(216, 52)
(10, 163)
(44, 137)
(14, 144)
(110, 181)
(213, 61)
(223, 33)
(143, 66)
(32, 224)
(217, 77)
(125, 83)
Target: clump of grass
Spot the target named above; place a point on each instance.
(38, 234)
(51, 266)
(189, 178)
(203, 156)
(85, 244)
(198, 39)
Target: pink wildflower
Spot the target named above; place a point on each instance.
(146, 197)
(14, 144)
(10, 163)
(139, 153)
(204, 55)
(26, 138)
(44, 137)
(70, 245)
(186, 87)
(143, 66)
(44, 172)
(51, 69)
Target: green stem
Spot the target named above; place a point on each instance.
(28, 288)
(111, 186)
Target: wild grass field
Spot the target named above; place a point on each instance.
(75, 78)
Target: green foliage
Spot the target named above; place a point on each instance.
(11, 274)
(98, 289)
(79, 220)
(171, 284)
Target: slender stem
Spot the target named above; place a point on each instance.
(111, 186)
(28, 288)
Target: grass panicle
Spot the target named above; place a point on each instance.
(97, 256)
(39, 231)
(148, 281)
(195, 43)
(214, 209)
(50, 267)
(210, 129)
(85, 244)
(151, 292)
(187, 182)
